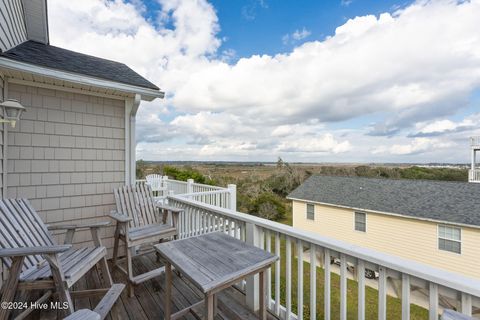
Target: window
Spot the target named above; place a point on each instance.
(310, 211)
(449, 238)
(360, 221)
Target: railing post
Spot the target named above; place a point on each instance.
(251, 290)
(190, 186)
(233, 196)
(165, 185)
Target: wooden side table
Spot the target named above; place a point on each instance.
(213, 262)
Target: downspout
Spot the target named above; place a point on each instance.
(5, 145)
(133, 143)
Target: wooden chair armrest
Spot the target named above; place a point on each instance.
(30, 251)
(120, 217)
(79, 226)
(173, 210)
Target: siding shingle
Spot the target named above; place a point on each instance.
(67, 155)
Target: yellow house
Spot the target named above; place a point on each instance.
(433, 222)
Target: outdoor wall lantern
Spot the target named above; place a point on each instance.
(12, 111)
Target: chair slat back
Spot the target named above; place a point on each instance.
(136, 201)
(155, 181)
(21, 226)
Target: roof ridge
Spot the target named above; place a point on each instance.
(392, 179)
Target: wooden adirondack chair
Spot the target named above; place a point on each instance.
(102, 308)
(35, 261)
(157, 183)
(140, 222)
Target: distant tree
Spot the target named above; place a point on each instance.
(185, 174)
(267, 205)
(141, 167)
(285, 179)
(280, 163)
(158, 169)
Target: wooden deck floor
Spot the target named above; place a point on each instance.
(148, 302)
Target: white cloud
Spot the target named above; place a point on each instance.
(296, 36)
(323, 143)
(415, 66)
(249, 11)
(445, 126)
(398, 64)
(413, 147)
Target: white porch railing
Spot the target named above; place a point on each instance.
(219, 198)
(199, 218)
(177, 187)
(475, 141)
(191, 188)
(474, 175)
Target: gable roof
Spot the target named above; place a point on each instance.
(455, 202)
(45, 55)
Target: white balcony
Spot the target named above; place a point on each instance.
(475, 142)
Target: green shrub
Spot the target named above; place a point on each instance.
(267, 205)
(185, 174)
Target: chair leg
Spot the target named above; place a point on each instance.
(128, 254)
(10, 286)
(115, 245)
(60, 284)
(107, 278)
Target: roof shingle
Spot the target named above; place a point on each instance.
(61, 59)
(456, 202)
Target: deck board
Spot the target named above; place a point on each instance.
(148, 302)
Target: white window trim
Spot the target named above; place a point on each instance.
(366, 222)
(438, 239)
(306, 211)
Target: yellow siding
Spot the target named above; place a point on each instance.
(408, 238)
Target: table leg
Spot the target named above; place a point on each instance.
(168, 290)
(209, 306)
(215, 305)
(263, 302)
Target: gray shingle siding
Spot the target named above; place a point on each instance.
(456, 202)
(61, 59)
(66, 155)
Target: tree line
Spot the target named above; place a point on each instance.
(266, 196)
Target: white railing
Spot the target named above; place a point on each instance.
(474, 175)
(212, 195)
(219, 198)
(199, 218)
(177, 187)
(198, 187)
(475, 141)
(185, 187)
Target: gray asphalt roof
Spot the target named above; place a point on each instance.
(457, 202)
(61, 59)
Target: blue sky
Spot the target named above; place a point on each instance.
(310, 81)
(257, 27)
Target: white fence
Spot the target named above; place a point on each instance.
(475, 141)
(212, 195)
(177, 187)
(474, 175)
(199, 218)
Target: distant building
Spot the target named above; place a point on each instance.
(474, 172)
(432, 222)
